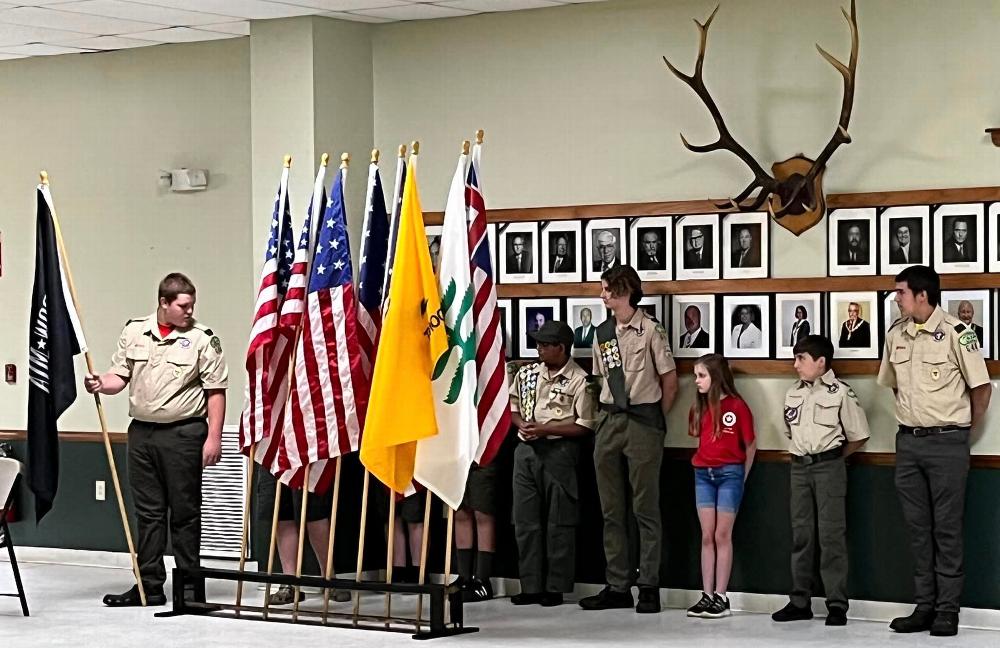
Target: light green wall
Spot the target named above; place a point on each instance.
(103, 125)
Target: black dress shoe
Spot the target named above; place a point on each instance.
(945, 624)
(836, 616)
(131, 598)
(792, 612)
(551, 599)
(920, 620)
(526, 598)
(479, 590)
(649, 600)
(608, 599)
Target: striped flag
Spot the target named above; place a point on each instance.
(492, 397)
(256, 423)
(374, 250)
(397, 204)
(328, 394)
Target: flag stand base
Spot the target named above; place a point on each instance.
(193, 581)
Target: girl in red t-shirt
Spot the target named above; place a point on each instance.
(723, 423)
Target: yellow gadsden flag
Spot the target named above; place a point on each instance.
(413, 338)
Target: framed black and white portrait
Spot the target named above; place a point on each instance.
(905, 238)
(854, 324)
(958, 235)
(693, 332)
(561, 247)
(518, 252)
(696, 247)
(746, 323)
(584, 315)
(651, 247)
(605, 245)
(505, 308)
(993, 229)
(434, 243)
(851, 242)
(796, 316)
(531, 316)
(890, 313)
(746, 246)
(653, 306)
(975, 310)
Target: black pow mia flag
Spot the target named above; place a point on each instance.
(55, 336)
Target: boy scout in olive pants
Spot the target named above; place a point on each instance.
(936, 370)
(825, 423)
(177, 380)
(550, 407)
(638, 379)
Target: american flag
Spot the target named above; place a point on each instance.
(374, 250)
(492, 397)
(397, 203)
(328, 394)
(256, 422)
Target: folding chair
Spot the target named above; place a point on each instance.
(10, 470)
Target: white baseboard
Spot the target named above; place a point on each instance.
(103, 559)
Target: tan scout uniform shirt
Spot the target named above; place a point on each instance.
(558, 396)
(168, 376)
(645, 357)
(932, 370)
(821, 415)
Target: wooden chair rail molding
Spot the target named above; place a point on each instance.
(767, 456)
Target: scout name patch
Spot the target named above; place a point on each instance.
(969, 341)
(610, 354)
(791, 413)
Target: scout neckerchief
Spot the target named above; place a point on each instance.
(527, 379)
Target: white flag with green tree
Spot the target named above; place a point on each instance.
(442, 461)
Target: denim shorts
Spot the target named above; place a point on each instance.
(719, 488)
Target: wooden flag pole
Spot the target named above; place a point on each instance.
(361, 532)
(390, 544)
(328, 572)
(97, 400)
(423, 555)
(273, 545)
(302, 541)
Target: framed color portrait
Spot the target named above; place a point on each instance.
(905, 238)
(975, 309)
(651, 247)
(518, 253)
(851, 242)
(584, 315)
(796, 315)
(532, 314)
(746, 324)
(696, 246)
(746, 246)
(959, 233)
(854, 324)
(605, 246)
(693, 332)
(562, 258)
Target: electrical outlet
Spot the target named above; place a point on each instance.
(99, 491)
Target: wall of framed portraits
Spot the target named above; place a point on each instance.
(710, 280)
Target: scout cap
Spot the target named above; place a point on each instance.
(553, 332)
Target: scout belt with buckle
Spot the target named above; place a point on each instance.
(826, 455)
(929, 431)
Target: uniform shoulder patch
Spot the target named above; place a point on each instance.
(216, 344)
(960, 327)
(969, 341)
(662, 331)
(850, 390)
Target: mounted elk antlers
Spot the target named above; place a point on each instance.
(794, 189)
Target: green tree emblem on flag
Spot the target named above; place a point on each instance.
(466, 346)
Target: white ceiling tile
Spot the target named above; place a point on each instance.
(348, 5)
(55, 19)
(41, 49)
(180, 35)
(238, 28)
(415, 12)
(341, 15)
(144, 12)
(497, 5)
(254, 9)
(20, 34)
(108, 43)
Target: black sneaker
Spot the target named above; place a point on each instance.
(551, 599)
(480, 590)
(945, 624)
(836, 616)
(608, 599)
(792, 612)
(718, 608)
(920, 620)
(131, 598)
(526, 598)
(649, 600)
(698, 609)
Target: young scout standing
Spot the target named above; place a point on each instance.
(638, 379)
(177, 380)
(934, 366)
(550, 407)
(825, 423)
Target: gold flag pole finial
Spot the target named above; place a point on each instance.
(402, 150)
(345, 160)
(479, 136)
(44, 177)
(288, 161)
(415, 147)
(324, 159)
(465, 147)
(374, 156)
